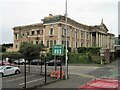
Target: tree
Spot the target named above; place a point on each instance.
(30, 51)
(2, 49)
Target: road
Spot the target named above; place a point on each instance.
(78, 75)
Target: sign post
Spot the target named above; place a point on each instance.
(58, 50)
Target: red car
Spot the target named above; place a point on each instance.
(102, 84)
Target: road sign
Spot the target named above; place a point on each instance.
(58, 50)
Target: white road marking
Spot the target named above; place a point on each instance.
(32, 81)
(19, 78)
(90, 76)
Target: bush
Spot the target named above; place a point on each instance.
(81, 50)
(92, 50)
(12, 55)
(77, 58)
(96, 59)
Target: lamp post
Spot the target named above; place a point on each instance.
(66, 51)
(43, 52)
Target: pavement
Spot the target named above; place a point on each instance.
(75, 81)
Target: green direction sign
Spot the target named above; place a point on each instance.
(58, 50)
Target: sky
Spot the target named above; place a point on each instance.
(24, 12)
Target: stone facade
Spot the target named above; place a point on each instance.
(53, 31)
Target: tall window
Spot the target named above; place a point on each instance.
(76, 44)
(87, 44)
(62, 42)
(82, 34)
(67, 43)
(51, 31)
(27, 33)
(81, 44)
(51, 43)
(54, 41)
(87, 35)
(63, 31)
(48, 43)
(36, 42)
(15, 35)
(32, 32)
(38, 31)
(41, 32)
(16, 46)
(41, 42)
(32, 42)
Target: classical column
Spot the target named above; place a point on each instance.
(85, 39)
(59, 35)
(91, 38)
(75, 40)
(103, 41)
(96, 38)
(99, 40)
(44, 37)
(70, 38)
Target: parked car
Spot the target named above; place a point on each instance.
(102, 84)
(4, 63)
(8, 70)
(20, 61)
(52, 62)
(36, 62)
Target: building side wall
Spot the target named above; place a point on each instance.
(54, 33)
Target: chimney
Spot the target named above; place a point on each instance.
(50, 15)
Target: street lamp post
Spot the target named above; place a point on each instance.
(44, 54)
(66, 58)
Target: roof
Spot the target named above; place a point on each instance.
(31, 25)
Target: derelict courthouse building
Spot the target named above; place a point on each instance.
(53, 31)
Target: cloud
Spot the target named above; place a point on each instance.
(21, 12)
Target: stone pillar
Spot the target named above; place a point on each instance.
(70, 38)
(101, 40)
(44, 38)
(59, 35)
(91, 38)
(85, 39)
(80, 38)
(96, 38)
(75, 39)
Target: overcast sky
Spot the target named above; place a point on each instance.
(22, 12)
